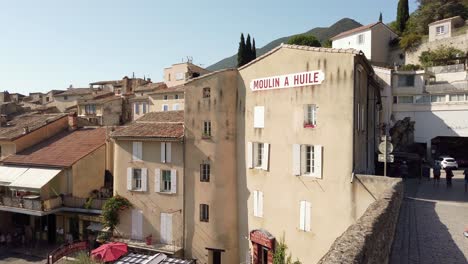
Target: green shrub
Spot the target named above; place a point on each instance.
(410, 42)
(440, 56)
(304, 40)
(111, 209)
(410, 67)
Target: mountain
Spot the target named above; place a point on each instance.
(321, 33)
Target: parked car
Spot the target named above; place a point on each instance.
(447, 162)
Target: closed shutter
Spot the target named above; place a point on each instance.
(302, 215)
(163, 228)
(163, 152)
(296, 163)
(169, 228)
(266, 156)
(168, 152)
(129, 179)
(173, 181)
(318, 150)
(144, 179)
(157, 180)
(255, 195)
(137, 151)
(260, 204)
(307, 216)
(137, 224)
(249, 155)
(175, 107)
(259, 117)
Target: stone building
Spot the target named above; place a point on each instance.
(180, 73)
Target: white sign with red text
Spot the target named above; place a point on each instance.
(288, 81)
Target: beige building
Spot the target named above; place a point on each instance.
(149, 172)
(105, 111)
(180, 73)
(140, 103)
(170, 99)
(444, 28)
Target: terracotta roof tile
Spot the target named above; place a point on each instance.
(175, 89)
(62, 150)
(32, 121)
(151, 87)
(163, 117)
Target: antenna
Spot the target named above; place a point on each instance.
(189, 59)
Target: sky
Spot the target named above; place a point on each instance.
(52, 44)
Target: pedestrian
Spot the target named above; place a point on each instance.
(404, 170)
(8, 239)
(448, 176)
(2, 240)
(436, 172)
(466, 179)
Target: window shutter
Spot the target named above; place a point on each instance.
(129, 179)
(302, 154)
(266, 156)
(314, 115)
(144, 179)
(157, 180)
(302, 216)
(163, 152)
(168, 228)
(255, 203)
(175, 107)
(318, 150)
(168, 152)
(260, 204)
(137, 151)
(296, 159)
(259, 117)
(249, 155)
(307, 216)
(173, 181)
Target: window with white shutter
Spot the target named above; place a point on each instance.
(304, 216)
(137, 179)
(173, 181)
(249, 155)
(137, 151)
(157, 180)
(259, 117)
(166, 152)
(310, 116)
(258, 203)
(307, 160)
(175, 107)
(265, 156)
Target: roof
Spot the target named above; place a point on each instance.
(359, 29)
(157, 125)
(61, 150)
(175, 89)
(114, 82)
(101, 100)
(34, 178)
(150, 87)
(158, 258)
(445, 20)
(75, 91)
(32, 121)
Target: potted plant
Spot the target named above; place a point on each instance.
(149, 240)
(308, 125)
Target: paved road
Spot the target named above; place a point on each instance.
(6, 256)
(431, 224)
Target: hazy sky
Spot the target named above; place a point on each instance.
(48, 45)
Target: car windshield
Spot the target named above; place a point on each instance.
(450, 160)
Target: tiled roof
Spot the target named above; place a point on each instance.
(354, 30)
(62, 150)
(32, 121)
(150, 87)
(175, 89)
(161, 125)
(100, 99)
(75, 91)
(445, 20)
(114, 82)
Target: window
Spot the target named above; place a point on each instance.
(166, 152)
(259, 117)
(1, 152)
(165, 97)
(144, 108)
(165, 107)
(175, 107)
(307, 160)
(361, 39)
(169, 77)
(457, 97)
(422, 99)
(205, 172)
(304, 216)
(258, 155)
(65, 98)
(258, 203)
(137, 108)
(176, 96)
(204, 213)
(440, 30)
(405, 80)
(166, 181)
(90, 109)
(405, 99)
(47, 99)
(137, 154)
(310, 116)
(438, 98)
(207, 129)
(137, 179)
(395, 99)
(179, 76)
(206, 92)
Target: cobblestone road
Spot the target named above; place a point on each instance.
(431, 224)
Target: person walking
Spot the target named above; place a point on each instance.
(404, 170)
(436, 172)
(466, 179)
(448, 176)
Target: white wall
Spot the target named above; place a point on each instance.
(352, 42)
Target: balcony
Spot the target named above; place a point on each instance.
(439, 87)
(30, 202)
(446, 69)
(85, 203)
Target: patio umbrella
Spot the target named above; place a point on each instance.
(110, 252)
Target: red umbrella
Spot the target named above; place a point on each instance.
(110, 252)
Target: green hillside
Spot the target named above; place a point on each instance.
(321, 33)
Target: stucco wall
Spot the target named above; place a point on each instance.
(8, 148)
(370, 239)
(88, 173)
(157, 101)
(56, 186)
(381, 37)
(352, 42)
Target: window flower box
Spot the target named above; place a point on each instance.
(309, 125)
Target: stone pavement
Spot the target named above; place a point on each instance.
(431, 223)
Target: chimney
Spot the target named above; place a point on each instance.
(25, 130)
(72, 121)
(3, 120)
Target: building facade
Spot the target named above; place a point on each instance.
(180, 73)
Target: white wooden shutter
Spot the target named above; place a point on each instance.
(168, 152)
(137, 224)
(173, 181)
(163, 152)
(307, 216)
(249, 155)
(166, 228)
(157, 180)
(260, 204)
(162, 230)
(175, 107)
(296, 163)
(318, 150)
(255, 203)
(144, 179)
(129, 179)
(266, 156)
(314, 115)
(302, 215)
(135, 151)
(259, 117)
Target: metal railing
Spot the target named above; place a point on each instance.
(35, 205)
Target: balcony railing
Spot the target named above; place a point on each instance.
(86, 203)
(446, 68)
(30, 204)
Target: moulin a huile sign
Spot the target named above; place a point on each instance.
(288, 81)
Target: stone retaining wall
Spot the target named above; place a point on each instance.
(370, 239)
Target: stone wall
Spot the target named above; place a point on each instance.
(370, 239)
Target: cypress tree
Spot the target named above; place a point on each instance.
(402, 15)
(248, 49)
(254, 50)
(380, 17)
(241, 52)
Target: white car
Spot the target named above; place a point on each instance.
(447, 162)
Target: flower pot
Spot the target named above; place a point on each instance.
(149, 240)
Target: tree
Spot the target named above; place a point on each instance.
(241, 55)
(380, 17)
(248, 49)
(254, 50)
(327, 43)
(440, 56)
(304, 40)
(279, 257)
(402, 15)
